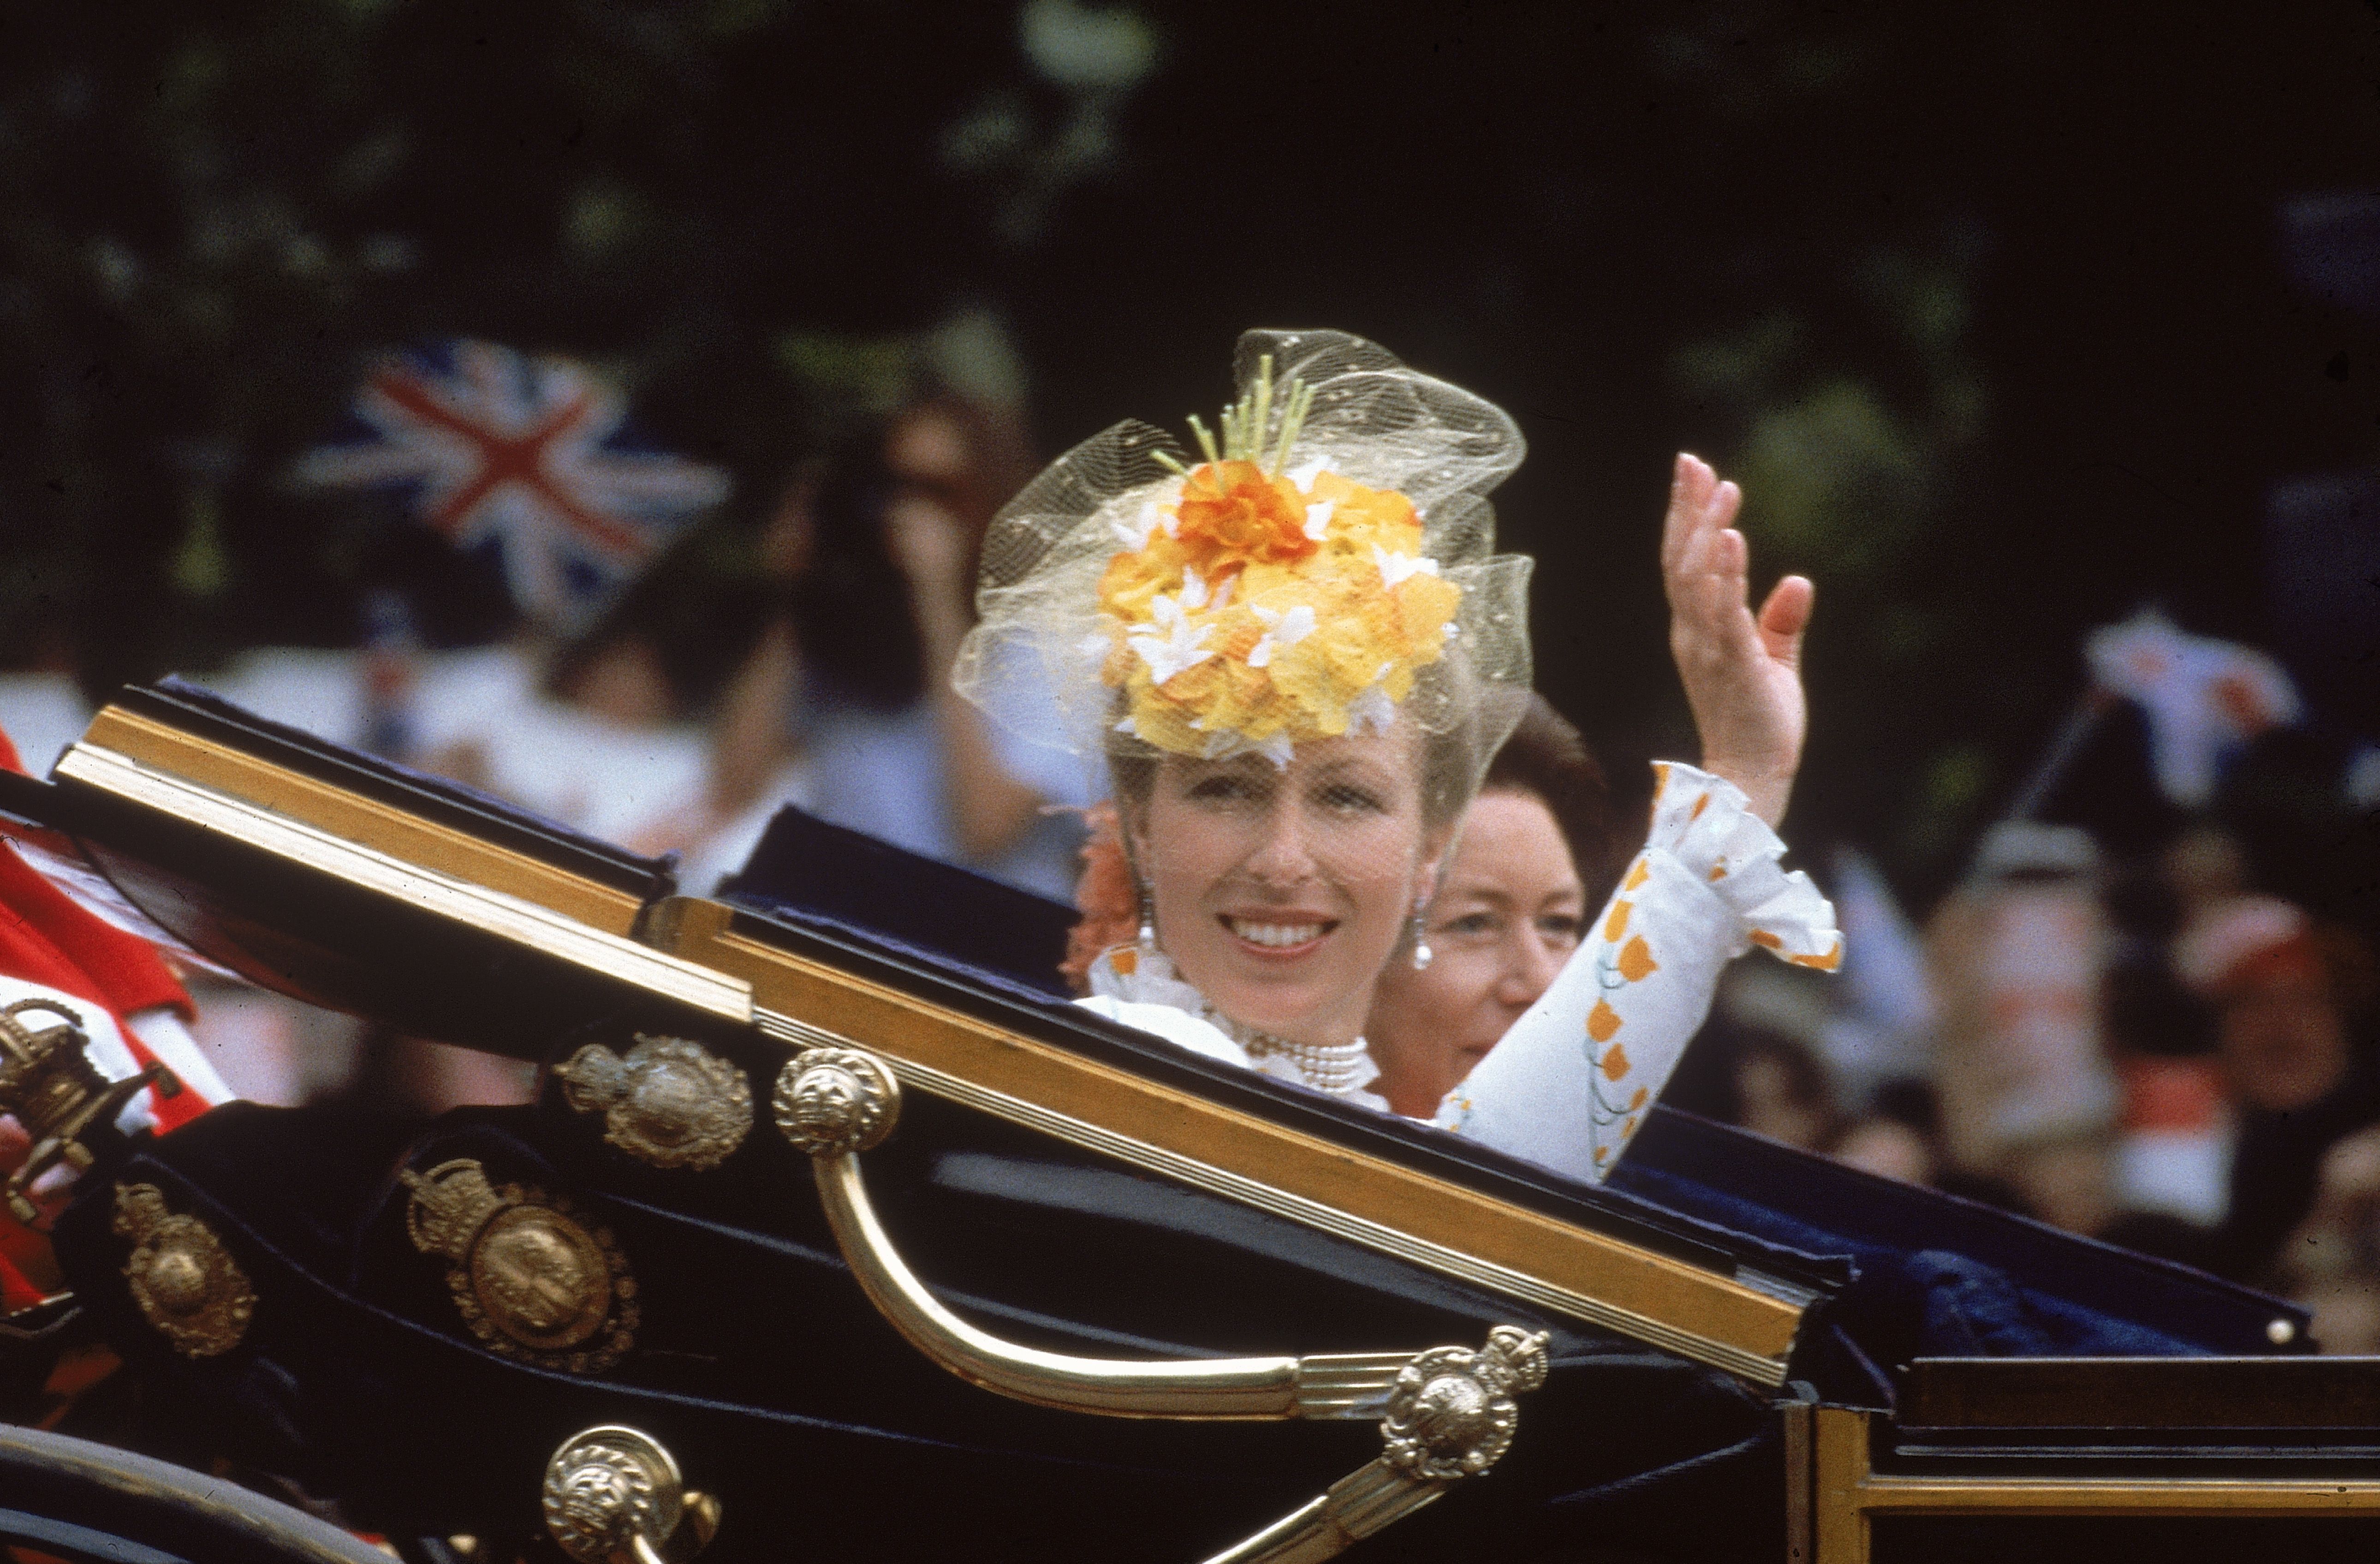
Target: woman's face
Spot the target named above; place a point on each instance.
(1279, 892)
(1508, 915)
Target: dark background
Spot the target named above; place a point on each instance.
(1990, 307)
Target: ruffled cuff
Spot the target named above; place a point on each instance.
(1704, 824)
(1707, 887)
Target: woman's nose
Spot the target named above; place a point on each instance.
(1285, 856)
(1530, 965)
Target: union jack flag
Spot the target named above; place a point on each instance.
(528, 458)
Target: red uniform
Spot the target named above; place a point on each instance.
(51, 947)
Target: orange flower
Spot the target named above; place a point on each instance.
(1107, 899)
(1232, 514)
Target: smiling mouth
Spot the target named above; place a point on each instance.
(1277, 936)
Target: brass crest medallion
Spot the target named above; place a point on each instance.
(830, 1102)
(1450, 1413)
(184, 1280)
(49, 1085)
(531, 1280)
(668, 1102)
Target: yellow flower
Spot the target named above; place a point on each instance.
(1258, 611)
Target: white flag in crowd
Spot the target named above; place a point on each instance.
(2205, 698)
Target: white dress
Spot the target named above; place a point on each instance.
(1571, 1080)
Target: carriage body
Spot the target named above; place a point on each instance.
(1034, 1317)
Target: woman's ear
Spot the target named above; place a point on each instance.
(1437, 852)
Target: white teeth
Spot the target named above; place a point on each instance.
(1276, 934)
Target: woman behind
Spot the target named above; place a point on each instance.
(1296, 659)
(1511, 910)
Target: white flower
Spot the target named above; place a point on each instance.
(1452, 629)
(1135, 534)
(1179, 646)
(1126, 727)
(1291, 627)
(1318, 519)
(1278, 749)
(1223, 594)
(1371, 712)
(1395, 567)
(1096, 646)
(1194, 590)
(1304, 473)
(1281, 632)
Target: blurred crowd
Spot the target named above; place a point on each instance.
(2142, 1046)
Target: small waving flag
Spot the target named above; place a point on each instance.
(2206, 699)
(529, 458)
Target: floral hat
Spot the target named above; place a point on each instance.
(1328, 566)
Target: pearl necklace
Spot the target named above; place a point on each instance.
(1148, 978)
(1335, 1068)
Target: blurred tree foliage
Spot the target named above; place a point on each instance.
(1980, 305)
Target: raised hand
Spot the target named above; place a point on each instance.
(1742, 672)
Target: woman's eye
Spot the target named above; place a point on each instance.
(1348, 798)
(1472, 924)
(1563, 928)
(1222, 789)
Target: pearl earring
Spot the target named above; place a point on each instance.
(1148, 921)
(1422, 953)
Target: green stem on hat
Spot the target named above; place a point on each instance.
(1292, 421)
(1205, 440)
(1244, 421)
(1263, 407)
(1170, 462)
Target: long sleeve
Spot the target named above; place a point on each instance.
(1571, 1080)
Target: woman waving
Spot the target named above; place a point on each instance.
(1294, 659)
